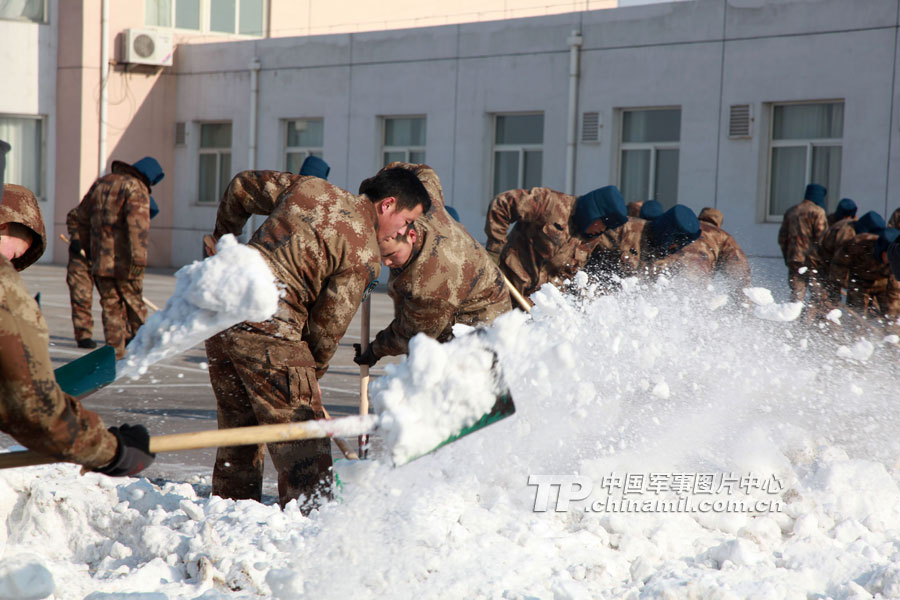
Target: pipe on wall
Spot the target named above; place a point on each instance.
(255, 67)
(104, 79)
(574, 41)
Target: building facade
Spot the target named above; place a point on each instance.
(721, 103)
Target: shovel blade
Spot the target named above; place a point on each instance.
(89, 373)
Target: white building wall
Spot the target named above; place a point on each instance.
(701, 56)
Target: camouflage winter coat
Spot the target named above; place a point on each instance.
(449, 278)
(19, 205)
(319, 241)
(836, 236)
(624, 251)
(543, 245)
(801, 233)
(855, 265)
(714, 252)
(114, 225)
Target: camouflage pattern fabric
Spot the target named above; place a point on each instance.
(124, 311)
(714, 252)
(894, 221)
(543, 245)
(33, 409)
(19, 205)
(871, 287)
(799, 237)
(634, 209)
(320, 243)
(713, 216)
(836, 236)
(78, 278)
(622, 252)
(449, 278)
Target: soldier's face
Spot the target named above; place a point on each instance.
(14, 243)
(395, 252)
(391, 221)
(595, 228)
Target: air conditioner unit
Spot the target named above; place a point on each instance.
(147, 47)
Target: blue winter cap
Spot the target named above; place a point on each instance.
(4, 148)
(885, 238)
(869, 223)
(315, 167)
(651, 210)
(453, 213)
(154, 207)
(678, 225)
(816, 193)
(845, 208)
(604, 203)
(149, 168)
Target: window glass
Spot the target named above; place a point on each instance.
(634, 182)
(404, 132)
(305, 132)
(224, 173)
(519, 129)
(158, 13)
(666, 192)
(506, 171)
(24, 162)
(222, 15)
(392, 156)
(826, 170)
(215, 135)
(208, 177)
(187, 14)
(788, 178)
(652, 125)
(534, 162)
(417, 157)
(23, 10)
(808, 121)
(251, 17)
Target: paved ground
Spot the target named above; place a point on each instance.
(175, 396)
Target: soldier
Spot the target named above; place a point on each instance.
(553, 234)
(439, 276)
(650, 210)
(113, 228)
(321, 243)
(33, 409)
(840, 231)
(858, 264)
(81, 287)
(894, 221)
(800, 234)
(725, 256)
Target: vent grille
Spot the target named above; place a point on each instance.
(179, 133)
(590, 127)
(740, 120)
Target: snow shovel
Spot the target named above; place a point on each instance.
(88, 373)
(364, 319)
(284, 432)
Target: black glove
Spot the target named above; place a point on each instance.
(367, 358)
(133, 454)
(75, 248)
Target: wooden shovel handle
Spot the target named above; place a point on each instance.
(238, 436)
(517, 295)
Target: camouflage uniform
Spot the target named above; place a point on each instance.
(894, 221)
(634, 209)
(33, 409)
(543, 245)
(800, 234)
(836, 236)
(449, 278)
(622, 252)
(320, 243)
(113, 226)
(871, 287)
(714, 252)
(78, 278)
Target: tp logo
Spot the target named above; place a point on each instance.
(571, 487)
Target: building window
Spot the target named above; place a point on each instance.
(305, 137)
(518, 151)
(215, 160)
(24, 10)
(244, 17)
(648, 155)
(805, 148)
(25, 161)
(403, 140)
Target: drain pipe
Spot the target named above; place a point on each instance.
(104, 79)
(255, 66)
(575, 40)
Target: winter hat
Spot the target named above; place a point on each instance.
(148, 169)
(154, 207)
(845, 208)
(816, 193)
(315, 167)
(678, 225)
(20, 206)
(604, 203)
(4, 148)
(651, 210)
(453, 213)
(886, 237)
(869, 223)
(711, 215)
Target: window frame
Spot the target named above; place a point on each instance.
(42, 172)
(521, 148)
(306, 151)
(44, 20)
(807, 143)
(218, 151)
(205, 18)
(407, 150)
(653, 147)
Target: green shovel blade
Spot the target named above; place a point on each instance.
(88, 373)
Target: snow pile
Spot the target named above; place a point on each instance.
(211, 295)
(657, 380)
(766, 307)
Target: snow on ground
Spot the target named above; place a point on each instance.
(678, 386)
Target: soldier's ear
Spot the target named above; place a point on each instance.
(412, 235)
